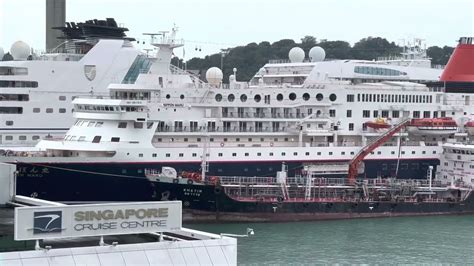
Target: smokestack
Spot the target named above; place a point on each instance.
(55, 17)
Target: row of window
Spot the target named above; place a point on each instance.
(110, 108)
(379, 71)
(10, 138)
(51, 110)
(396, 114)
(14, 97)
(258, 154)
(11, 71)
(391, 98)
(279, 97)
(18, 84)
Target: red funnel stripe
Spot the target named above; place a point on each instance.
(460, 66)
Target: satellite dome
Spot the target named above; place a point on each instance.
(296, 55)
(214, 76)
(20, 50)
(317, 54)
(2, 53)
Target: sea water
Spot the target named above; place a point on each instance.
(401, 240)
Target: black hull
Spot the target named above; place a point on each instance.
(206, 202)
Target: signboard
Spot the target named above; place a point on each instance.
(42, 222)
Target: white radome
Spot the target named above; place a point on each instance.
(317, 54)
(296, 55)
(20, 50)
(2, 53)
(214, 76)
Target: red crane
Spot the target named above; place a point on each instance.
(367, 149)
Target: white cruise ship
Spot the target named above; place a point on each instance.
(36, 90)
(170, 118)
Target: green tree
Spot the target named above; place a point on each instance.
(370, 48)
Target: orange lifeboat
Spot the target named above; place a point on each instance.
(433, 126)
(379, 123)
(469, 126)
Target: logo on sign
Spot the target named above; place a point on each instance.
(90, 72)
(47, 222)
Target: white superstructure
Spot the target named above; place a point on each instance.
(36, 90)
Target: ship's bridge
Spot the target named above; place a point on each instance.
(102, 108)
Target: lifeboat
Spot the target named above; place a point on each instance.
(379, 123)
(433, 126)
(469, 126)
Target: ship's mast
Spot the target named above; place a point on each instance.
(165, 43)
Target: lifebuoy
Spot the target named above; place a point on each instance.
(222, 144)
(271, 144)
(190, 182)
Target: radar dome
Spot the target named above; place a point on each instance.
(2, 53)
(317, 54)
(296, 55)
(20, 50)
(214, 76)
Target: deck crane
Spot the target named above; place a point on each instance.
(367, 149)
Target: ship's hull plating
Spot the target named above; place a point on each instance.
(104, 182)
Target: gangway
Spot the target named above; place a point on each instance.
(371, 146)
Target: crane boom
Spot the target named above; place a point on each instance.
(367, 149)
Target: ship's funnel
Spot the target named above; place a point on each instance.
(460, 67)
(55, 17)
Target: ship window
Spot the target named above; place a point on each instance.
(330, 153)
(90, 124)
(115, 139)
(403, 152)
(349, 113)
(426, 114)
(234, 154)
(62, 110)
(153, 155)
(395, 114)
(35, 137)
(243, 98)
(218, 97)
(194, 154)
(122, 125)
(8, 137)
(318, 153)
(295, 154)
(280, 97)
(49, 110)
(14, 97)
(307, 153)
(36, 110)
(62, 98)
(11, 110)
(412, 152)
(434, 152)
(385, 113)
(270, 154)
(376, 113)
(366, 113)
(168, 155)
(22, 138)
(332, 113)
(257, 98)
(96, 139)
(246, 154)
(292, 96)
(306, 96)
(137, 124)
(319, 96)
(168, 96)
(259, 154)
(140, 155)
(82, 138)
(9, 123)
(416, 114)
(181, 96)
(423, 152)
(379, 152)
(351, 126)
(231, 97)
(181, 155)
(219, 154)
(18, 84)
(332, 97)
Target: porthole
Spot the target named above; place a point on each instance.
(243, 98)
(332, 97)
(231, 97)
(168, 96)
(292, 96)
(218, 97)
(181, 96)
(319, 97)
(257, 98)
(306, 96)
(280, 97)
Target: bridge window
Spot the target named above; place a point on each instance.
(18, 84)
(11, 110)
(14, 97)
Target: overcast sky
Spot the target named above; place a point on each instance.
(214, 24)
